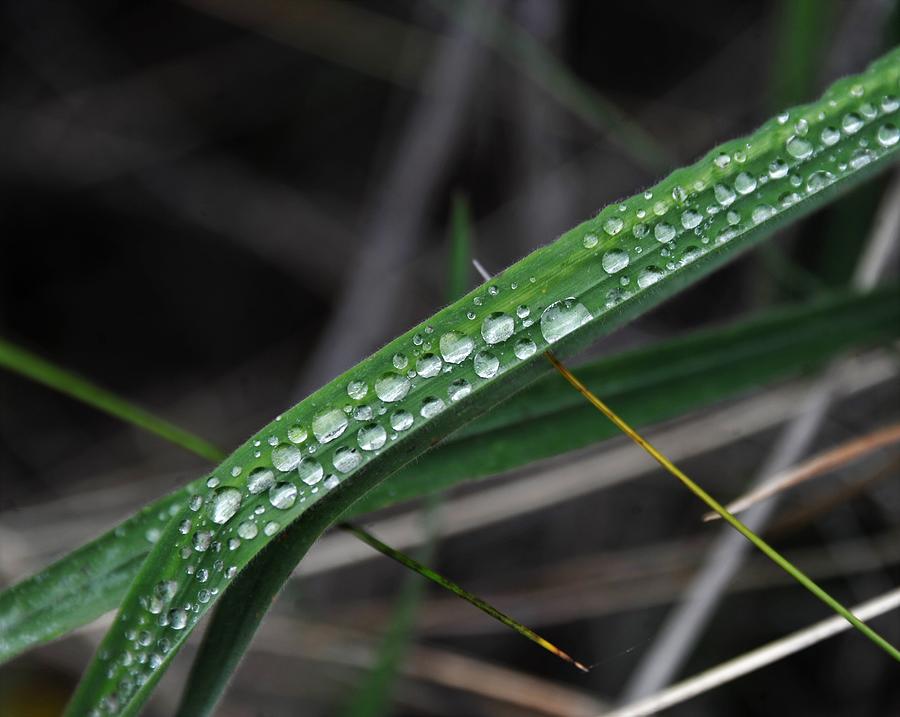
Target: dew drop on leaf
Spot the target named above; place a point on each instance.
(259, 480)
(614, 261)
(286, 456)
(283, 495)
(486, 364)
(460, 388)
(648, 276)
(455, 347)
(562, 318)
(431, 407)
(310, 471)
(524, 348)
(346, 459)
(401, 420)
(497, 327)
(371, 437)
(224, 505)
(247, 530)
(428, 365)
(330, 424)
(391, 387)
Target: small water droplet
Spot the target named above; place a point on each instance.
(212, 482)
(679, 194)
(761, 213)
(460, 388)
(259, 480)
(310, 471)
(201, 540)
(860, 158)
(331, 482)
(691, 219)
(888, 135)
(890, 103)
(345, 459)
(562, 318)
(817, 181)
(195, 503)
(371, 437)
(497, 327)
(830, 136)
(247, 530)
(400, 361)
(725, 195)
(357, 389)
(524, 348)
(455, 347)
(286, 456)
(428, 365)
(283, 495)
(722, 160)
(330, 424)
(431, 406)
(648, 276)
(664, 232)
(271, 528)
(639, 231)
(590, 241)
(225, 505)
(363, 413)
(851, 123)
(401, 420)
(614, 261)
(184, 527)
(691, 253)
(391, 387)
(177, 618)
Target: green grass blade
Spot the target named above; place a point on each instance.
(571, 301)
(34, 367)
(646, 385)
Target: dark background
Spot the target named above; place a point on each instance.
(212, 207)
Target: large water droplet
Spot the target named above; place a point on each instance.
(285, 457)
(562, 318)
(486, 364)
(745, 183)
(225, 505)
(431, 406)
(283, 495)
(613, 226)
(830, 136)
(428, 365)
(346, 459)
(888, 135)
(460, 388)
(310, 471)
(401, 420)
(851, 123)
(725, 195)
(392, 387)
(259, 480)
(177, 618)
(497, 327)
(455, 347)
(371, 437)
(330, 424)
(648, 276)
(664, 232)
(798, 147)
(691, 219)
(614, 260)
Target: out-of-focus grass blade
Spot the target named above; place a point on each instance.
(646, 385)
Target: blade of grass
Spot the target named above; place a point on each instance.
(647, 385)
(756, 659)
(814, 467)
(762, 545)
(573, 302)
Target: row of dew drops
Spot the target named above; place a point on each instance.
(294, 457)
(800, 147)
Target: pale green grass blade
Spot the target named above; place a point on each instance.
(646, 385)
(571, 300)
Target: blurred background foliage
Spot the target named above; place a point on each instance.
(214, 206)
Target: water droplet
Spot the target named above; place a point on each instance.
(363, 413)
(798, 147)
(431, 406)
(330, 424)
(857, 90)
(259, 480)
(401, 420)
(691, 253)
(868, 110)
(522, 311)
(817, 181)
(234, 543)
(247, 530)
(371, 437)
(614, 260)
(562, 318)
(201, 540)
(357, 389)
(639, 231)
(400, 361)
(184, 527)
(460, 388)
(745, 183)
(345, 459)
(283, 495)
(725, 195)
(691, 219)
(212, 482)
(664, 232)
(851, 123)
(497, 327)
(801, 127)
(613, 226)
(310, 471)
(455, 347)
(177, 618)
(524, 348)
(486, 364)
(722, 160)
(888, 135)
(428, 365)
(225, 505)
(648, 276)
(678, 194)
(860, 158)
(285, 457)
(331, 482)
(271, 528)
(783, 117)
(889, 103)
(761, 213)
(590, 241)
(830, 136)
